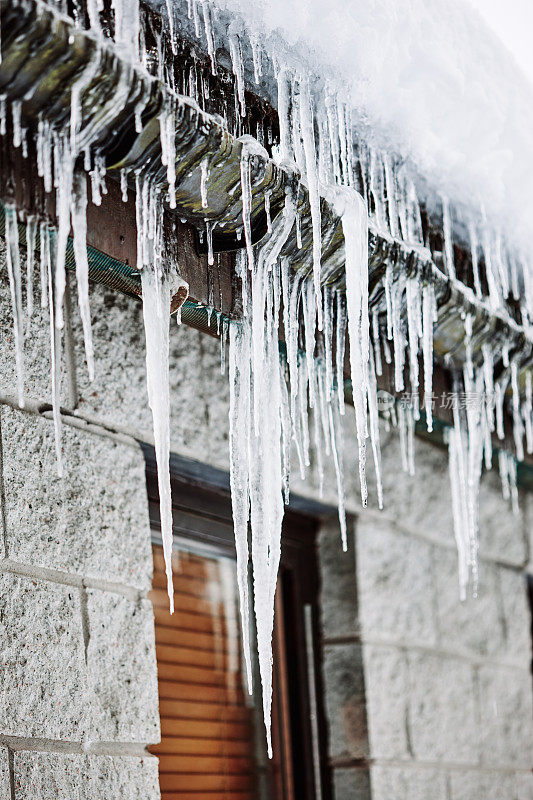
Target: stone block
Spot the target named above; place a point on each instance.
(506, 714)
(442, 714)
(349, 784)
(407, 783)
(338, 594)
(43, 671)
(475, 624)
(419, 503)
(502, 535)
(93, 521)
(5, 781)
(482, 785)
(516, 616)
(387, 692)
(121, 668)
(345, 701)
(394, 577)
(118, 393)
(524, 785)
(49, 776)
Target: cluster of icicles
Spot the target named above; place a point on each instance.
(271, 394)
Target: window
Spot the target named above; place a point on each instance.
(213, 743)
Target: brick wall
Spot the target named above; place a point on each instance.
(426, 698)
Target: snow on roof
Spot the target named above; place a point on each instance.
(426, 78)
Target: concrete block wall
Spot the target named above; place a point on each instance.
(78, 673)
(426, 698)
(445, 687)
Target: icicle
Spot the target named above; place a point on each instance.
(474, 244)
(65, 164)
(322, 399)
(79, 228)
(303, 383)
(513, 487)
(256, 57)
(504, 474)
(342, 135)
(518, 427)
(377, 342)
(15, 286)
(335, 432)
(447, 233)
(328, 340)
(355, 230)
(402, 426)
(16, 112)
(170, 16)
(340, 339)
(499, 397)
(283, 81)
(397, 331)
(319, 455)
(267, 210)
(286, 431)
(308, 138)
(93, 11)
(209, 35)
(127, 25)
(391, 196)
(204, 169)
(238, 68)
(3, 114)
(239, 434)
(494, 296)
(156, 315)
(457, 474)
(413, 313)
(209, 227)
(223, 337)
(309, 306)
(387, 286)
(31, 236)
(124, 185)
(428, 319)
(374, 429)
(195, 17)
(250, 149)
(50, 244)
(528, 412)
(488, 373)
(298, 230)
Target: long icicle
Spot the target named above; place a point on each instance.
(239, 436)
(355, 229)
(79, 228)
(156, 315)
(15, 286)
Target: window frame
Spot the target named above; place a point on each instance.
(202, 521)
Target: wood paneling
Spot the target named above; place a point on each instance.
(207, 732)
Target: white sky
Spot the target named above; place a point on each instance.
(512, 21)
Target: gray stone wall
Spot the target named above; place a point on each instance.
(78, 676)
(426, 697)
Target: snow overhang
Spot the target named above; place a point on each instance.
(43, 56)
